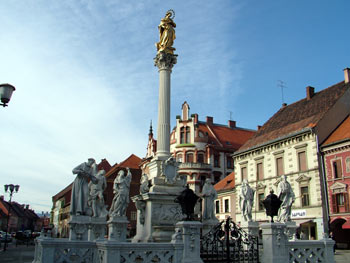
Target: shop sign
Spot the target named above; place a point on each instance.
(298, 213)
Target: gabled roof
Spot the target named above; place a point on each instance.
(104, 165)
(228, 183)
(224, 136)
(339, 134)
(132, 162)
(303, 114)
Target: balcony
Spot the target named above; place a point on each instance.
(195, 166)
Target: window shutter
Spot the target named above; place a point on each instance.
(346, 202)
(334, 204)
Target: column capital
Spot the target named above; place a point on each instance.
(165, 61)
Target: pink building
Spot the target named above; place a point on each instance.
(336, 151)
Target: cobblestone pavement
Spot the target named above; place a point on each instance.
(25, 254)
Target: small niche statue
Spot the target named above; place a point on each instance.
(80, 189)
(121, 188)
(167, 33)
(246, 199)
(144, 184)
(286, 195)
(209, 195)
(96, 199)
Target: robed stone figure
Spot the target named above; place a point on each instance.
(80, 189)
(209, 195)
(246, 199)
(121, 188)
(96, 199)
(286, 195)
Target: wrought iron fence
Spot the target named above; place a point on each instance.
(227, 242)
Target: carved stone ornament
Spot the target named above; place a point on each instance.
(338, 187)
(303, 178)
(73, 255)
(165, 61)
(167, 213)
(141, 206)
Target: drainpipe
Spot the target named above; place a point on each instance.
(324, 190)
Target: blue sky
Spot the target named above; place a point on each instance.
(87, 87)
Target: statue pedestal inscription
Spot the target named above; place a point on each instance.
(117, 227)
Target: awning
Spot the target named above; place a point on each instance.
(346, 225)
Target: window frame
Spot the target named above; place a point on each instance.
(305, 195)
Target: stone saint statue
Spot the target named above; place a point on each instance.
(246, 199)
(167, 33)
(209, 195)
(144, 188)
(96, 199)
(121, 188)
(80, 188)
(286, 195)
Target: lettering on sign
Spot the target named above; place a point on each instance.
(298, 213)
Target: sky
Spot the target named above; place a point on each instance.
(86, 84)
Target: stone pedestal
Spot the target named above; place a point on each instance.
(117, 227)
(274, 243)
(191, 241)
(79, 227)
(251, 228)
(291, 230)
(159, 217)
(97, 229)
(208, 225)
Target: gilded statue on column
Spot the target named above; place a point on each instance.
(167, 33)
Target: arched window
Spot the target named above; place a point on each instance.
(189, 157)
(200, 158)
(179, 157)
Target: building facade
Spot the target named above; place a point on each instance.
(225, 204)
(336, 151)
(204, 148)
(288, 144)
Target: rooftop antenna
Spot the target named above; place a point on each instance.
(281, 85)
(230, 115)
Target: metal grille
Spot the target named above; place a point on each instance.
(226, 242)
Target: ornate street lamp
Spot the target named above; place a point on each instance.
(6, 93)
(9, 188)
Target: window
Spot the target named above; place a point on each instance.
(304, 196)
(337, 169)
(179, 158)
(340, 199)
(185, 135)
(244, 173)
(227, 205)
(279, 166)
(200, 158)
(133, 215)
(302, 161)
(216, 160)
(347, 161)
(217, 206)
(189, 158)
(229, 162)
(261, 197)
(259, 171)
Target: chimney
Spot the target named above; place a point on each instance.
(310, 92)
(347, 75)
(209, 120)
(232, 124)
(195, 121)
(259, 127)
(284, 105)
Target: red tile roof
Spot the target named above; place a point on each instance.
(228, 183)
(225, 136)
(340, 134)
(132, 162)
(298, 116)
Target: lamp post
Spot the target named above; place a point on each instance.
(9, 188)
(6, 93)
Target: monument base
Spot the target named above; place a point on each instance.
(97, 229)
(209, 225)
(79, 227)
(251, 227)
(291, 230)
(117, 227)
